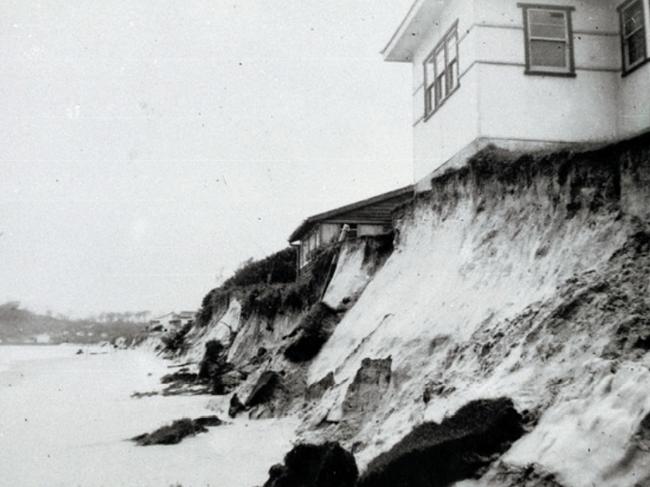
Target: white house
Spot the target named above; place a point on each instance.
(522, 75)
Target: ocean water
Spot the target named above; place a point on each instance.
(65, 420)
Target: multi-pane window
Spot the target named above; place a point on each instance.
(633, 34)
(441, 72)
(549, 40)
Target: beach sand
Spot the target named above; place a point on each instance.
(65, 420)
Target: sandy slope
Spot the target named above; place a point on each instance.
(525, 276)
(520, 286)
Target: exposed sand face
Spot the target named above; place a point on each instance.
(518, 286)
(66, 418)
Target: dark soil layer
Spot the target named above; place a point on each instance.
(312, 332)
(528, 476)
(326, 465)
(436, 455)
(588, 178)
(264, 389)
(369, 386)
(316, 390)
(177, 431)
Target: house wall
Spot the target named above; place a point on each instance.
(514, 105)
(330, 232)
(454, 125)
(370, 230)
(309, 243)
(634, 114)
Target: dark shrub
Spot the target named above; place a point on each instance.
(311, 333)
(268, 286)
(326, 465)
(276, 268)
(436, 455)
(265, 301)
(296, 297)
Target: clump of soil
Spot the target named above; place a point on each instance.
(311, 333)
(316, 390)
(368, 387)
(140, 395)
(182, 382)
(264, 389)
(174, 341)
(208, 421)
(178, 430)
(306, 465)
(183, 375)
(216, 371)
(436, 455)
(214, 360)
(236, 406)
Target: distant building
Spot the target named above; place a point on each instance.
(522, 75)
(371, 216)
(171, 321)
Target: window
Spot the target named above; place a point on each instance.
(549, 40)
(441, 72)
(633, 35)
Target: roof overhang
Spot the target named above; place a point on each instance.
(310, 222)
(420, 18)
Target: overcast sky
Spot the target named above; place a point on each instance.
(149, 146)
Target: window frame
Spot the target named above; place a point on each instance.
(570, 71)
(433, 102)
(621, 8)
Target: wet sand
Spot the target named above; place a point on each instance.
(65, 420)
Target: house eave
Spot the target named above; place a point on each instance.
(408, 36)
(309, 223)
